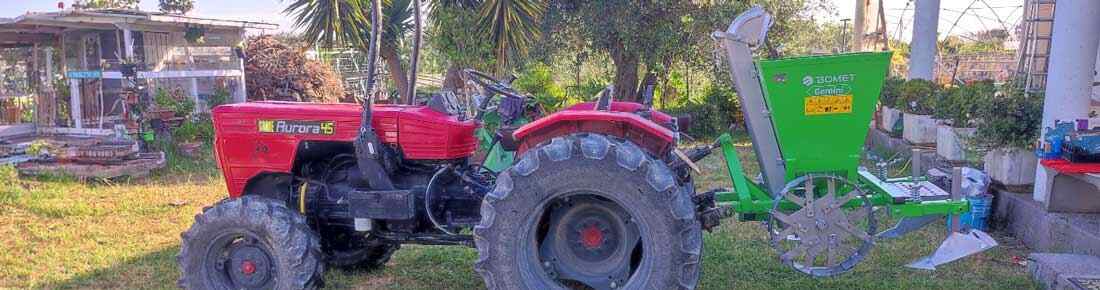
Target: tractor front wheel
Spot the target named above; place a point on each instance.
(250, 242)
(588, 211)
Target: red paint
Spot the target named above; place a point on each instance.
(592, 237)
(243, 152)
(247, 267)
(626, 107)
(620, 121)
(1064, 166)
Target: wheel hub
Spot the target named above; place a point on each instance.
(252, 266)
(590, 241)
(240, 261)
(592, 237)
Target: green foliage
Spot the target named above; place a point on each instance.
(9, 184)
(175, 101)
(176, 6)
(891, 89)
(512, 25)
(218, 98)
(538, 80)
(1011, 119)
(917, 96)
(960, 105)
(39, 147)
(454, 34)
(713, 115)
(331, 22)
(200, 129)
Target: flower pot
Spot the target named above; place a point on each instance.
(919, 129)
(951, 142)
(1011, 166)
(189, 149)
(889, 120)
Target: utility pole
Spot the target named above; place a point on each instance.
(859, 25)
(922, 56)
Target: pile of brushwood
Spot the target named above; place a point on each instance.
(281, 71)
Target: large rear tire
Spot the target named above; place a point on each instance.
(250, 242)
(588, 211)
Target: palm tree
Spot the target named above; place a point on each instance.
(512, 25)
(346, 22)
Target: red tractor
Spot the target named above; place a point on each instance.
(596, 199)
(592, 201)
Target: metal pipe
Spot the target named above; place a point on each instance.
(415, 58)
(922, 56)
(372, 55)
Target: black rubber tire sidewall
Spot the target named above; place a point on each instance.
(644, 187)
(292, 245)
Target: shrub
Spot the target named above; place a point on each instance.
(538, 80)
(890, 91)
(174, 100)
(918, 96)
(1010, 119)
(199, 129)
(960, 105)
(713, 115)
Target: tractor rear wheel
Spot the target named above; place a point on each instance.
(250, 242)
(587, 211)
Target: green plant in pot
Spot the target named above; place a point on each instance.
(193, 134)
(958, 109)
(889, 115)
(1009, 126)
(918, 98)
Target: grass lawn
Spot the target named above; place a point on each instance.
(59, 233)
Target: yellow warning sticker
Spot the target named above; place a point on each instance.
(827, 105)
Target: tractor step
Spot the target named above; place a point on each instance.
(382, 204)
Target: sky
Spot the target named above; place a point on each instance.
(899, 13)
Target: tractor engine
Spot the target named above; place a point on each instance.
(430, 197)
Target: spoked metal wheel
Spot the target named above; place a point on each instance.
(822, 225)
(241, 261)
(589, 242)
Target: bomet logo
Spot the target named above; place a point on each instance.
(297, 127)
(827, 79)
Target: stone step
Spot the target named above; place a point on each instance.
(1065, 271)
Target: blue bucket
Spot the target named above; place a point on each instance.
(978, 215)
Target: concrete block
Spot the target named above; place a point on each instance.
(1054, 270)
(919, 129)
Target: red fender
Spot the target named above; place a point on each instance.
(620, 121)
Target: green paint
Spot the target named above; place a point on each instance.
(813, 141)
(821, 109)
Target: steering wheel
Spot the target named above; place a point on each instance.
(492, 84)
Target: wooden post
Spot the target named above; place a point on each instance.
(74, 103)
(242, 90)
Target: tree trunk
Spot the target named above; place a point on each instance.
(452, 81)
(626, 75)
(397, 72)
(650, 77)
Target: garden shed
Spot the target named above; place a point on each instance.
(63, 71)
